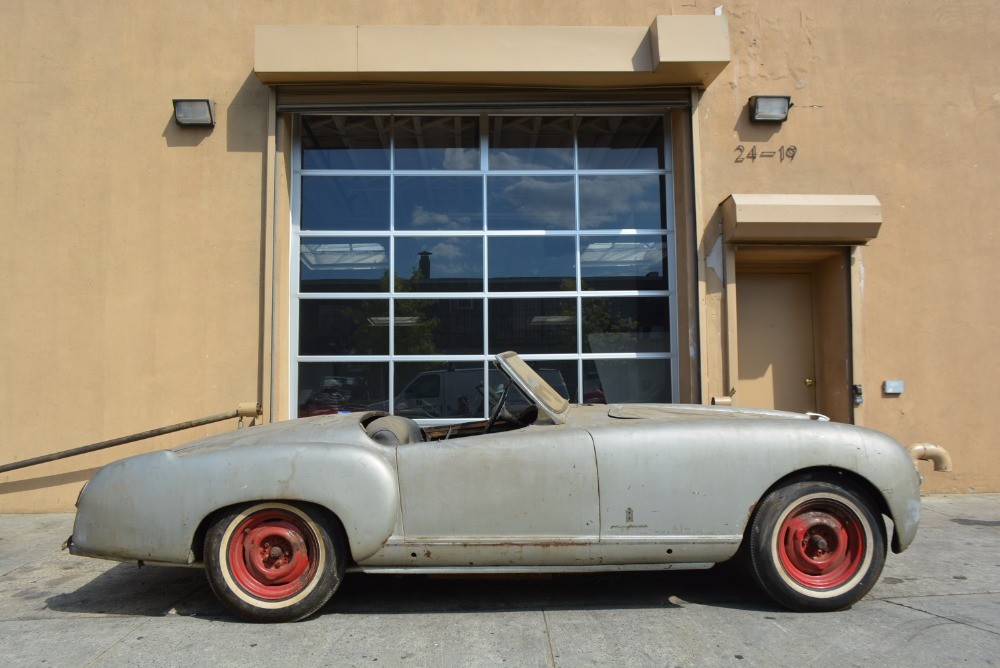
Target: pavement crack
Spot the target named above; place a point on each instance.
(130, 631)
(944, 617)
(548, 639)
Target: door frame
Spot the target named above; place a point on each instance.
(836, 283)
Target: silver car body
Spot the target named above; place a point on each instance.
(592, 487)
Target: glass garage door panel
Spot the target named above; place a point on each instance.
(424, 244)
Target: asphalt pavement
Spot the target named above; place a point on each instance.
(938, 604)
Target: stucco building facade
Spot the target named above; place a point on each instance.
(395, 191)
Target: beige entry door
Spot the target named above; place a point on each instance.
(777, 360)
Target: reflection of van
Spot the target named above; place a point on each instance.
(459, 393)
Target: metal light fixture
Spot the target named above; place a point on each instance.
(770, 108)
(194, 112)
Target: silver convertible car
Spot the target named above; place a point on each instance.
(278, 513)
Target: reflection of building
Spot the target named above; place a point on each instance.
(594, 195)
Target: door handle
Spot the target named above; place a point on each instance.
(810, 382)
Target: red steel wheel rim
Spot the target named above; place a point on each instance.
(821, 544)
(273, 554)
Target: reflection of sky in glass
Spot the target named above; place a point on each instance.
(437, 142)
(621, 142)
(345, 203)
(530, 203)
(532, 263)
(439, 203)
(343, 264)
(531, 142)
(345, 142)
(621, 202)
(452, 259)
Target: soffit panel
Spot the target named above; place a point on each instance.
(673, 50)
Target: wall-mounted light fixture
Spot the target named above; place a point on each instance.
(770, 108)
(194, 112)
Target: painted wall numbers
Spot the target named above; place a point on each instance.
(783, 153)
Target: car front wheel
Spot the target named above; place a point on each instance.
(817, 545)
(273, 562)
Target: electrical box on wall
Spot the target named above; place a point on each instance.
(893, 386)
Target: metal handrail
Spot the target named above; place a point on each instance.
(242, 410)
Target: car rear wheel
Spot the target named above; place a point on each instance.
(274, 562)
(817, 545)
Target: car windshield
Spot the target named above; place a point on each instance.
(534, 386)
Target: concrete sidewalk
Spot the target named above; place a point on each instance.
(938, 604)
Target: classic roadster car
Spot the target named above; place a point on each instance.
(278, 513)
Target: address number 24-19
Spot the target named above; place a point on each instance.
(783, 153)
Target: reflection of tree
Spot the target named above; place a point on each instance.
(416, 320)
(607, 329)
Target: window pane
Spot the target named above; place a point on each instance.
(623, 263)
(344, 327)
(345, 142)
(530, 203)
(439, 264)
(532, 263)
(439, 326)
(626, 324)
(439, 203)
(622, 202)
(621, 142)
(532, 325)
(333, 387)
(345, 203)
(336, 264)
(439, 390)
(437, 142)
(531, 142)
(626, 381)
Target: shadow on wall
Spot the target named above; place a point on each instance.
(44, 482)
(245, 121)
(751, 132)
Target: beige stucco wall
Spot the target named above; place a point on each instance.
(131, 267)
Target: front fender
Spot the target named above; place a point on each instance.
(150, 506)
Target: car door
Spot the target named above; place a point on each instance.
(522, 497)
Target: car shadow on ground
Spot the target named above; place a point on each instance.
(160, 590)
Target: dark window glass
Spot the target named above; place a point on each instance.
(625, 324)
(345, 142)
(532, 263)
(437, 142)
(439, 264)
(530, 203)
(623, 263)
(345, 203)
(344, 327)
(335, 264)
(439, 203)
(621, 142)
(622, 202)
(439, 390)
(532, 325)
(531, 142)
(335, 387)
(439, 326)
(626, 381)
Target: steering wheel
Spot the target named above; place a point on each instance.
(496, 411)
